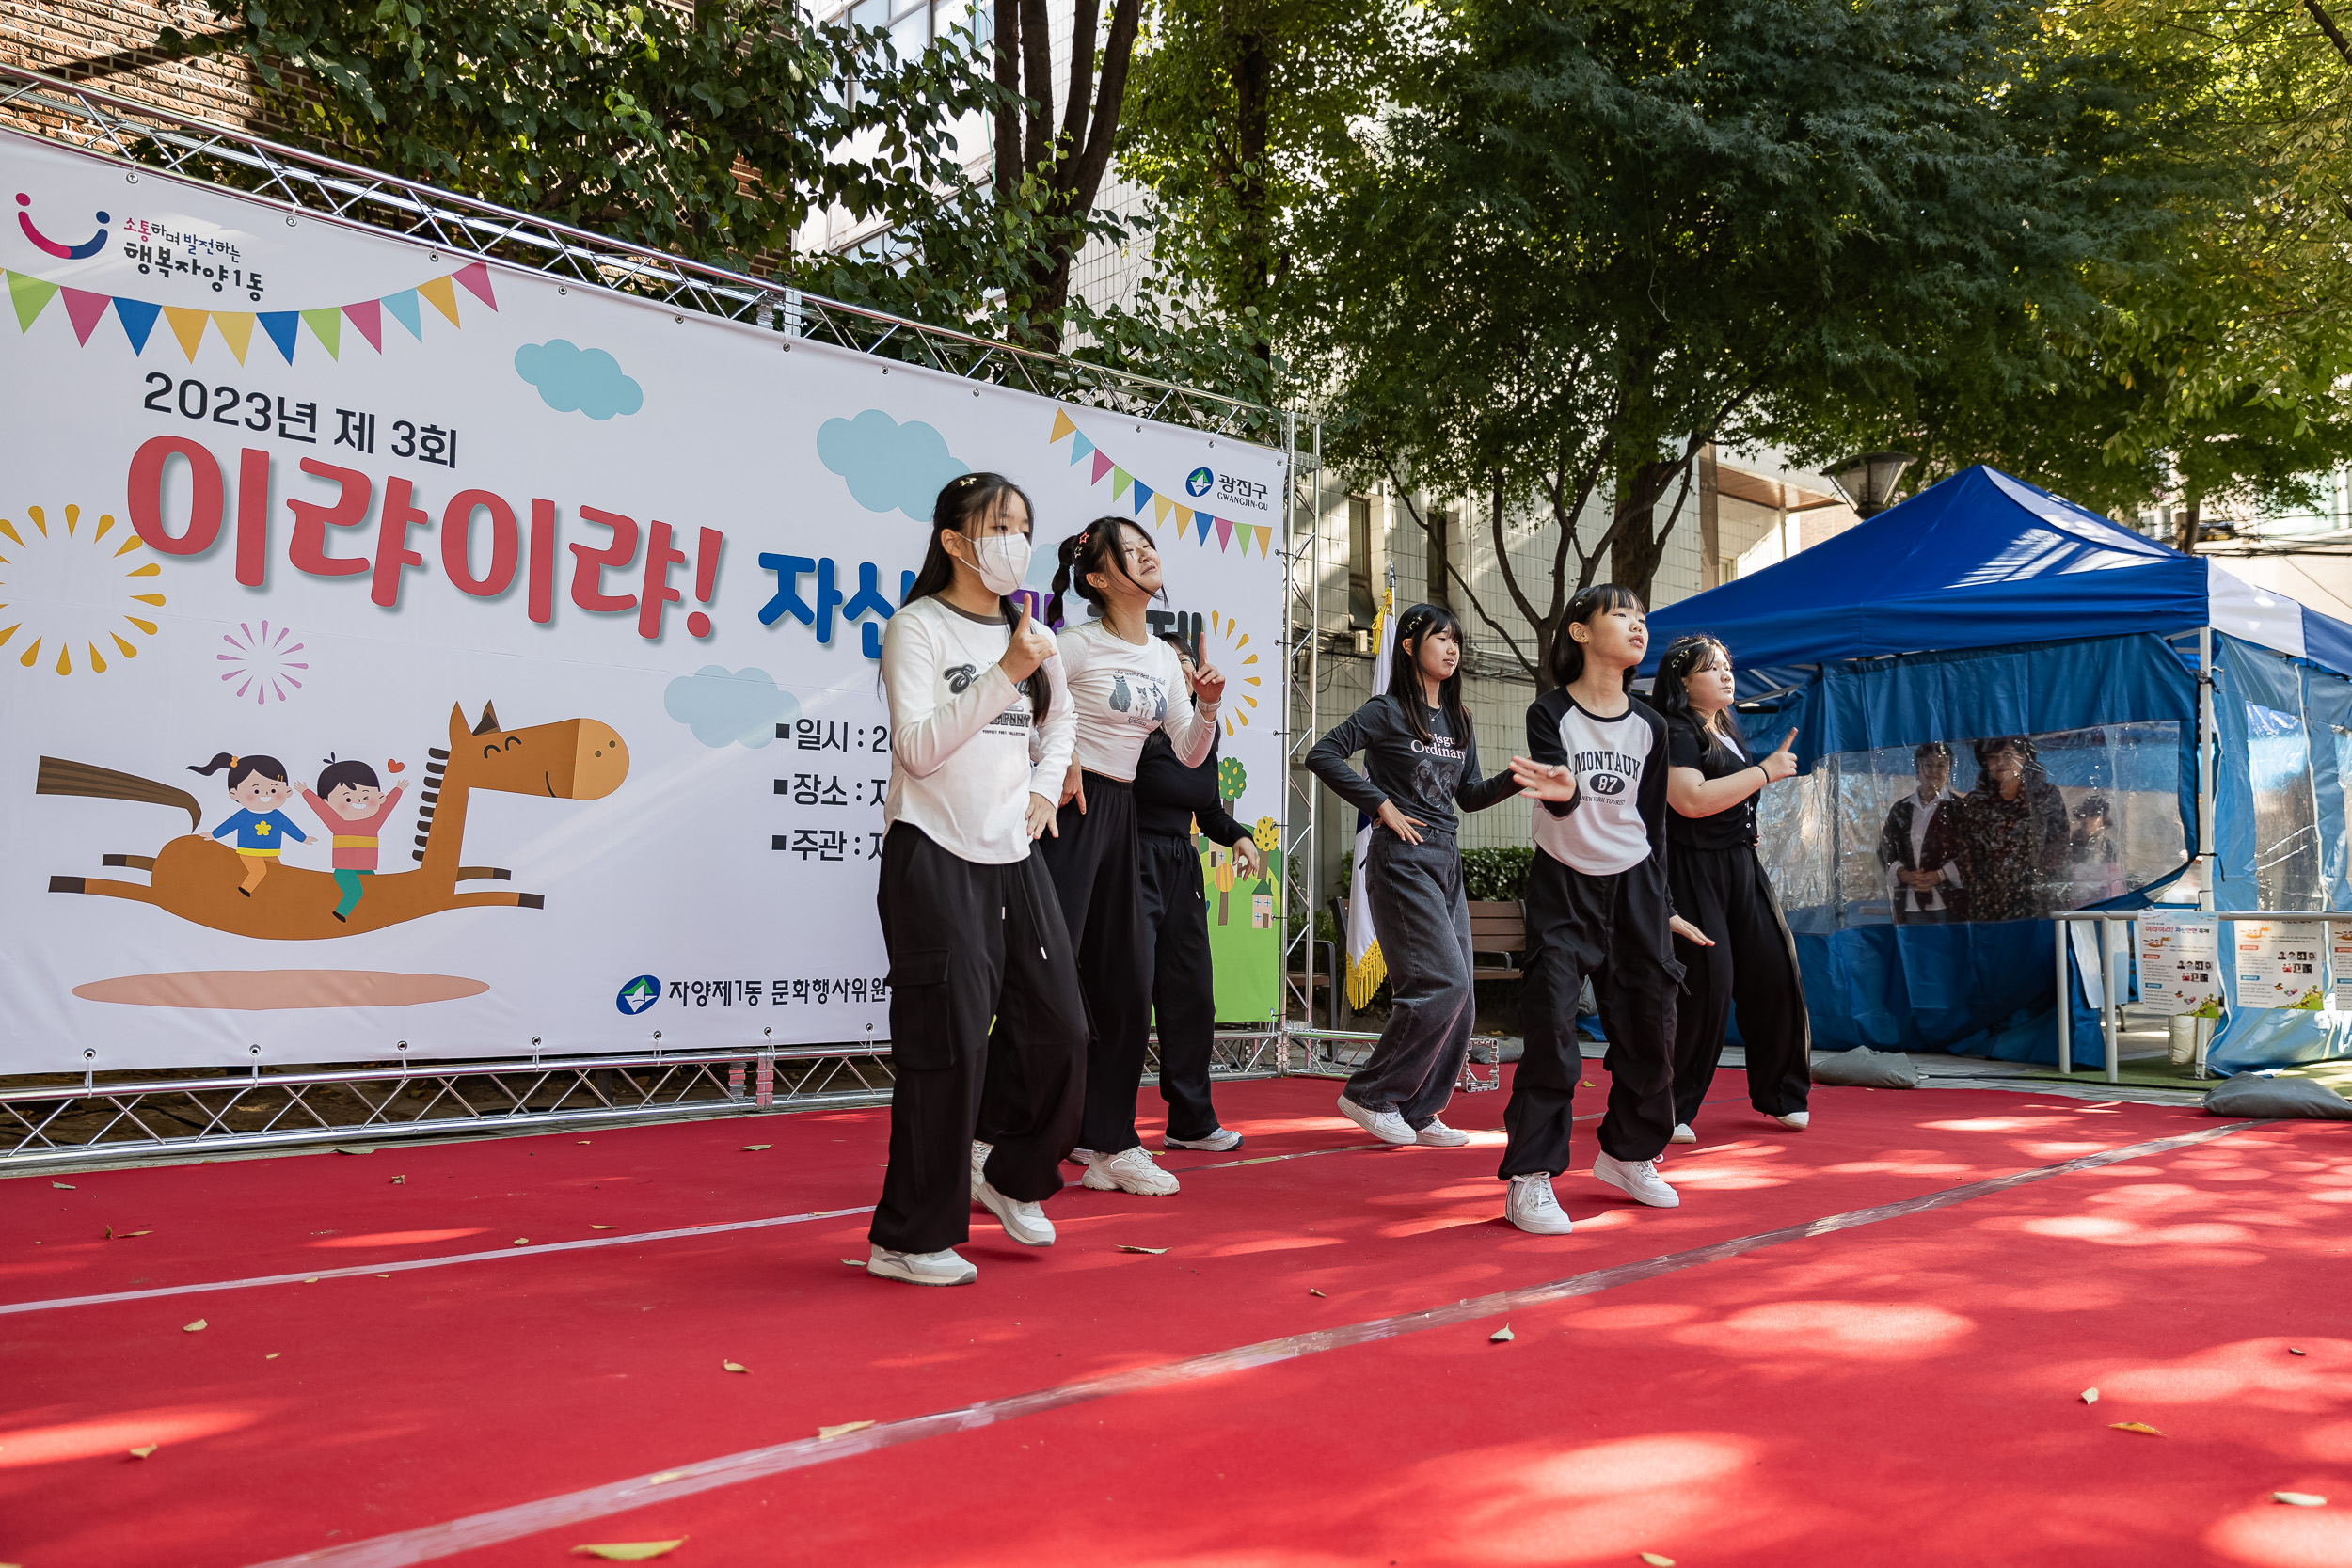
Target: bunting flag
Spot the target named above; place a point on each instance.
(85, 311)
(1189, 520)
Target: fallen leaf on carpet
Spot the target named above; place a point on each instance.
(630, 1551)
(735, 1366)
(273, 1355)
(1312, 1291)
(843, 1430)
(665, 1475)
(142, 1453)
(396, 1181)
(110, 1231)
(1501, 1335)
(580, 1140)
(191, 1328)
(2141, 1427)
(2091, 1396)
(855, 1262)
(130, 1233)
(2294, 1351)
(753, 1148)
(2300, 1499)
(1154, 1251)
(64, 1186)
(525, 1241)
(603, 1227)
(1656, 1562)
(383, 1276)
(1586, 1084)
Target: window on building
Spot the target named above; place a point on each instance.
(1363, 588)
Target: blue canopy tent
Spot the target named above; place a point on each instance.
(1986, 607)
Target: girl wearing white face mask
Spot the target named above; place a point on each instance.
(970, 919)
(1124, 684)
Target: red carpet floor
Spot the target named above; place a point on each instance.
(1900, 1391)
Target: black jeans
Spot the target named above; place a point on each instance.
(1613, 930)
(1093, 864)
(1726, 894)
(967, 943)
(1422, 917)
(1181, 979)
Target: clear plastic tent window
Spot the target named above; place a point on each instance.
(2003, 827)
(2286, 817)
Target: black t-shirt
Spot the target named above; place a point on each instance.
(1715, 758)
(1425, 778)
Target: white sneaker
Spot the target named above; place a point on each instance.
(1796, 1121)
(1024, 1222)
(1438, 1135)
(1080, 1157)
(1638, 1179)
(1218, 1142)
(921, 1268)
(979, 1158)
(1386, 1126)
(1683, 1133)
(1532, 1205)
(1130, 1170)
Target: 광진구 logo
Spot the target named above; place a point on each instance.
(638, 995)
(1195, 483)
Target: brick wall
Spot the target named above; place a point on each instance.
(108, 45)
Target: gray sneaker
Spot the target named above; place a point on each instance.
(1024, 1222)
(921, 1268)
(1532, 1205)
(1130, 1170)
(1438, 1135)
(1386, 1126)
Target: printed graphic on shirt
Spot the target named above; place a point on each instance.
(960, 677)
(1610, 775)
(1436, 767)
(1141, 702)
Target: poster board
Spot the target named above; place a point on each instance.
(2180, 963)
(599, 588)
(2281, 963)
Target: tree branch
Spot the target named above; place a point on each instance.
(2327, 26)
(1468, 592)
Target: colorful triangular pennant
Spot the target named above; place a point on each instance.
(31, 296)
(1081, 449)
(139, 319)
(1159, 510)
(1102, 465)
(1063, 425)
(326, 326)
(442, 297)
(476, 277)
(282, 327)
(1143, 493)
(188, 326)
(1119, 482)
(403, 307)
(85, 311)
(1224, 532)
(236, 330)
(367, 316)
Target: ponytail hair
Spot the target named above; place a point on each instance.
(1567, 654)
(1099, 546)
(242, 768)
(965, 503)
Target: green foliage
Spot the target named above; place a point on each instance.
(1232, 779)
(1497, 875)
(1594, 236)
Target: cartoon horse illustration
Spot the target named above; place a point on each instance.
(196, 877)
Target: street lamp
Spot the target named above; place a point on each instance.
(1868, 480)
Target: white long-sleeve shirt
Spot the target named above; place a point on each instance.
(960, 730)
(1121, 693)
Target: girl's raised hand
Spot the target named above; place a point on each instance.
(1543, 780)
(1782, 764)
(1398, 823)
(1208, 684)
(1031, 647)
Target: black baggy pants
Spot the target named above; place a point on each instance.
(1613, 930)
(1182, 980)
(1422, 916)
(1093, 864)
(1726, 894)
(969, 943)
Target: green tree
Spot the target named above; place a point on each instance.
(1599, 235)
(712, 132)
(2224, 376)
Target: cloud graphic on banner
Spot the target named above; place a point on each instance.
(572, 379)
(727, 707)
(889, 466)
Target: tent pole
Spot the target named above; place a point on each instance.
(2111, 1016)
(2065, 1003)
(2210, 861)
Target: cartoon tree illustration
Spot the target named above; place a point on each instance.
(1232, 779)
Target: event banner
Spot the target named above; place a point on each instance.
(2281, 963)
(410, 656)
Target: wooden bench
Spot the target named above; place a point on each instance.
(1498, 928)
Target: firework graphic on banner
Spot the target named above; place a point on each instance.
(261, 664)
(64, 592)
